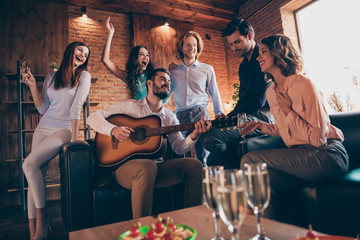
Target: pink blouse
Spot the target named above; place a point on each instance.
(307, 122)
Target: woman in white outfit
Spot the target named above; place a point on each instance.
(60, 103)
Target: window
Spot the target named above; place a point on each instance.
(330, 43)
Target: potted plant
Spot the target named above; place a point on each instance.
(53, 66)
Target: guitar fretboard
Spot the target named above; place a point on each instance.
(219, 123)
(169, 129)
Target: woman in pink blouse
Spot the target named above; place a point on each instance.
(314, 147)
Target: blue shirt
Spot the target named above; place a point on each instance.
(193, 86)
(141, 90)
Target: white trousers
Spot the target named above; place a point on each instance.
(46, 144)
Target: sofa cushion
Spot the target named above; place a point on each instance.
(349, 123)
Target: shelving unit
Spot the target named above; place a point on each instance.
(23, 104)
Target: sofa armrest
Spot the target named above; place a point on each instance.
(262, 142)
(76, 183)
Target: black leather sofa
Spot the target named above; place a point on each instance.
(331, 206)
(91, 197)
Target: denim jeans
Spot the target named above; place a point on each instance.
(223, 143)
(190, 116)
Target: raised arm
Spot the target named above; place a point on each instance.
(105, 58)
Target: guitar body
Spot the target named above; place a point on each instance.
(111, 152)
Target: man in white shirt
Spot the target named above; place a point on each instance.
(193, 83)
(142, 175)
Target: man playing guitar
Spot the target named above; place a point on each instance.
(142, 175)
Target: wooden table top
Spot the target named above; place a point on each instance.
(201, 219)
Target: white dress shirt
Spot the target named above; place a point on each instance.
(193, 86)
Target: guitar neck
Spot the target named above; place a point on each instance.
(218, 123)
(169, 129)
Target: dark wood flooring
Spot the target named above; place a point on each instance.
(14, 223)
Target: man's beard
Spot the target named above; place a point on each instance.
(158, 93)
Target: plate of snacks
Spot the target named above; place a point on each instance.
(312, 235)
(160, 230)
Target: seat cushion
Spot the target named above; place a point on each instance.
(338, 204)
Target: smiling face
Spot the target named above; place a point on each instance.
(81, 53)
(240, 44)
(266, 59)
(161, 85)
(190, 48)
(143, 59)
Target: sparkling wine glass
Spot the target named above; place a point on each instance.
(258, 192)
(231, 199)
(241, 123)
(25, 65)
(209, 193)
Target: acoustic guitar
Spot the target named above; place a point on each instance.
(145, 142)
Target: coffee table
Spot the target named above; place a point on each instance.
(198, 217)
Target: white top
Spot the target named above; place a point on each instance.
(62, 105)
(139, 109)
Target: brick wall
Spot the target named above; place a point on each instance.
(270, 17)
(108, 89)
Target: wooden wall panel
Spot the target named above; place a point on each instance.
(159, 39)
(35, 30)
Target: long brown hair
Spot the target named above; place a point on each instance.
(67, 76)
(132, 68)
(286, 57)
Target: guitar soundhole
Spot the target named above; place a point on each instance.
(139, 136)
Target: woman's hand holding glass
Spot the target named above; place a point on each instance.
(209, 193)
(258, 192)
(27, 77)
(231, 199)
(250, 127)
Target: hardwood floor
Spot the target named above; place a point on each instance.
(14, 223)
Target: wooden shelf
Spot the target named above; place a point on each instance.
(93, 104)
(47, 186)
(38, 77)
(23, 131)
(23, 102)
(13, 77)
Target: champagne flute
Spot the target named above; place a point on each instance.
(241, 123)
(25, 65)
(231, 199)
(209, 193)
(258, 192)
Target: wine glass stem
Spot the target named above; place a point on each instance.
(217, 224)
(260, 229)
(235, 233)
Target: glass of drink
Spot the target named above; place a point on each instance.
(258, 192)
(231, 199)
(241, 123)
(25, 65)
(209, 194)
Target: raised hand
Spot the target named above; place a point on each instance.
(121, 133)
(109, 26)
(28, 78)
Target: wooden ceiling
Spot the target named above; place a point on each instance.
(213, 14)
